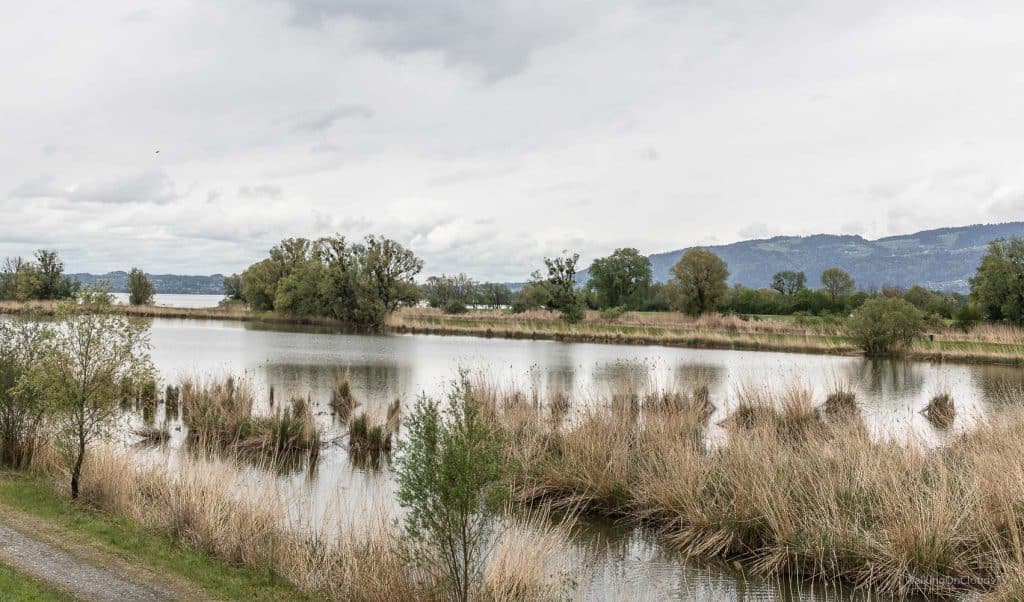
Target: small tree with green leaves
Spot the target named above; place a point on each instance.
(23, 341)
(621, 279)
(699, 281)
(789, 282)
(837, 282)
(140, 289)
(450, 478)
(884, 324)
(94, 354)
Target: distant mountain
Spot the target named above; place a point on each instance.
(941, 259)
(162, 283)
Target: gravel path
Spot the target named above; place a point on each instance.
(55, 566)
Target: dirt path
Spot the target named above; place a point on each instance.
(30, 546)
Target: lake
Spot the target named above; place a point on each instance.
(173, 300)
(305, 361)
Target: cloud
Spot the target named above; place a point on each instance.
(323, 121)
(153, 186)
(497, 37)
(755, 230)
(41, 187)
(261, 191)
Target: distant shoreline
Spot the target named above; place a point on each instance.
(990, 344)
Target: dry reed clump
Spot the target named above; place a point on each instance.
(842, 402)
(531, 560)
(940, 411)
(219, 415)
(152, 435)
(343, 402)
(368, 437)
(790, 414)
(790, 494)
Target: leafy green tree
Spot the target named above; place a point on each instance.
(494, 295)
(140, 289)
(359, 283)
(233, 287)
(533, 295)
(837, 282)
(699, 278)
(789, 282)
(94, 353)
(392, 269)
(998, 284)
(884, 324)
(23, 341)
(621, 279)
(450, 481)
(967, 316)
(561, 285)
(259, 284)
(444, 290)
(42, 279)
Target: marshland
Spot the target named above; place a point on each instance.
(660, 471)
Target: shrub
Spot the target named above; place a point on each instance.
(450, 479)
(884, 324)
(967, 317)
(613, 313)
(454, 306)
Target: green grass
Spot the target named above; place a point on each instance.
(16, 586)
(123, 538)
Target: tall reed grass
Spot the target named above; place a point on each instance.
(205, 504)
(795, 490)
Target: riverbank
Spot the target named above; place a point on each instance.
(988, 343)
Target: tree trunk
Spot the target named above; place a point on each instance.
(76, 472)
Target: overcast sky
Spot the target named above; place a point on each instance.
(485, 135)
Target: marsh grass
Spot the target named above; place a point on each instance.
(219, 415)
(940, 411)
(343, 402)
(152, 435)
(794, 492)
(368, 437)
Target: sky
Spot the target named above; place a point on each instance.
(189, 137)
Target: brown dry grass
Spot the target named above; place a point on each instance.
(205, 504)
(794, 491)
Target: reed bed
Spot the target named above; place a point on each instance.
(794, 491)
(219, 414)
(204, 504)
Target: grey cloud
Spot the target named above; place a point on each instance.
(324, 121)
(755, 230)
(144, 187)
(261, 191)
(40, 187)
(496, 37)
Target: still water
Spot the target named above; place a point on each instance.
(626, 562)
(172, 300)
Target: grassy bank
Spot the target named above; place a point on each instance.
(990, 343)
(88, 527)
(799, 488)
(987, 343)
(15, 586)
